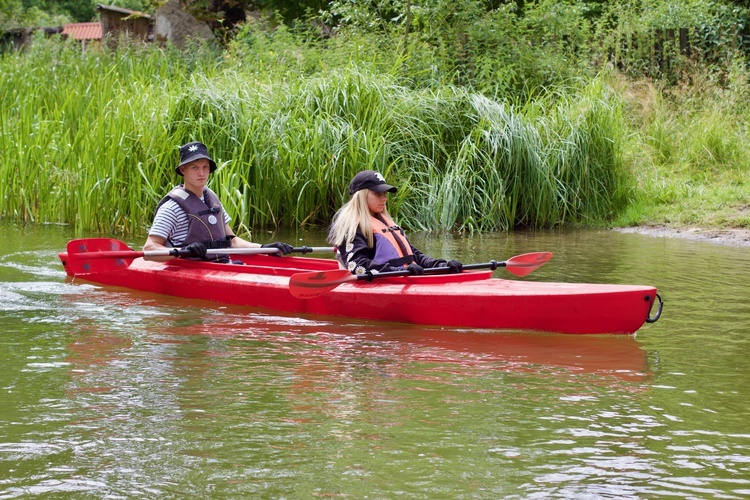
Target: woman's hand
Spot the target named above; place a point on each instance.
(455, 266)
(415, 269)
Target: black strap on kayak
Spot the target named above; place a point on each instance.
(652, 319)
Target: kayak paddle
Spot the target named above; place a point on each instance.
(99, 255)
(316, 283)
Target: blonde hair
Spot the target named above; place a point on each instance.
(355, 213)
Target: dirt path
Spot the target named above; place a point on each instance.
(730, 237)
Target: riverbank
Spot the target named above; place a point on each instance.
(729, 237)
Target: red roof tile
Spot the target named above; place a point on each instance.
(83, 31)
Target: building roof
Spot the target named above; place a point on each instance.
(83, 31)
(120, 10)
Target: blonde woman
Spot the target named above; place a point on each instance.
(367, 238)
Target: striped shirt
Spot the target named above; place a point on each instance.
(171, 223)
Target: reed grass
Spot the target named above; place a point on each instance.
(97, 147)
(91, 139)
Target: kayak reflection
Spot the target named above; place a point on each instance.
(619, 356)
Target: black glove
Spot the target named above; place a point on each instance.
(284, 248)
(415, 268)
(455, 266)
(196, 249)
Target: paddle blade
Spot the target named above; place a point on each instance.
(525, 264)
(83, 259)
(316, 283)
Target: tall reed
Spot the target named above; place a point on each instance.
(91, 139)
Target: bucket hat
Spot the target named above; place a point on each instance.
(194, 151)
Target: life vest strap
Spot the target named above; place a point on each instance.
(394, 230)
(403, 261)
(212, 210)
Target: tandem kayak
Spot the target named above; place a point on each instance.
(472, 299)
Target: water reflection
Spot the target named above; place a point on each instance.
(337, 338)
(108, 392)
(151, 378)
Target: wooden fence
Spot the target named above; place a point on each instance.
(660, 48)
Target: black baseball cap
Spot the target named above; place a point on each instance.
(372, 180)
(194, 151)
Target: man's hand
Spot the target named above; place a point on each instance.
(284, 248)
(196, 249)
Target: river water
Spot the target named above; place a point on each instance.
(118, 394)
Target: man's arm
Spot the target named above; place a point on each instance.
(156, 243)
(238, 242)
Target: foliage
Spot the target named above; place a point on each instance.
(13, 15)
(288, 10)
(519, 47)
(691, 151)
(497, 51)
(226, 16)
(40, 13)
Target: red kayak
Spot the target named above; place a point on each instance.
(307, 285)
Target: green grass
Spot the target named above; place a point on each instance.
(690, 150)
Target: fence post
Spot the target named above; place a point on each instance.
(684, 42)
(659, 48)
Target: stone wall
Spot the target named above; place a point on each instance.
(172, 22)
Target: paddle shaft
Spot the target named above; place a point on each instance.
(313, 284)
(429, 270)
(174, 252)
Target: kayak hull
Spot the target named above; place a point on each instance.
(470, 299)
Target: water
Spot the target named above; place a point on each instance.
(112, 393)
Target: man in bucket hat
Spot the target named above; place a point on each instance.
(191, 215)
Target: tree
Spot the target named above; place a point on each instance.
(9, 13)
(80, 11)
(289, 11)
(225, 15)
